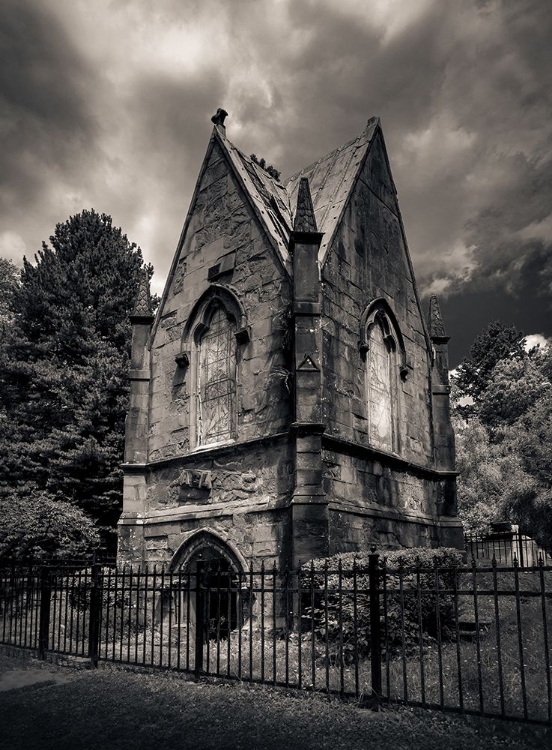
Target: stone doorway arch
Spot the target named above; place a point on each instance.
(215, 575)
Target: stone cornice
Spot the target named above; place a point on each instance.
(203, 452)
(396, 462)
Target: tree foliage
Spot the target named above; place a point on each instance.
(494, 344)
(63, 374)
(9, 281)
(504, 433)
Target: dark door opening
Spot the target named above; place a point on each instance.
(219, 588)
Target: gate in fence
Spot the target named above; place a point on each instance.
(471, 639)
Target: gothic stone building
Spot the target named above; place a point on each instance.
(289, 400)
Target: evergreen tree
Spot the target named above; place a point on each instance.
(63, 379)
(9, 280)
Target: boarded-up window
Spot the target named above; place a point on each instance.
(217, 380)
(380, 389)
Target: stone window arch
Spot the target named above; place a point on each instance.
(382, 349)
(216, 378)
(210, 355)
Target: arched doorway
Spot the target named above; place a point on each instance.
(217, 601)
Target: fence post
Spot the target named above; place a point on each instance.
(200, 621)
(94, 615)
(44, 612)
(375, 634)
(520, 547)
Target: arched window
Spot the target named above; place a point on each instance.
(380, 386)
(382, 347)
(216, 379)
(212, 340)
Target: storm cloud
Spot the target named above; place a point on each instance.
(108, 105)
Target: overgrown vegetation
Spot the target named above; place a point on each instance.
(268, 168)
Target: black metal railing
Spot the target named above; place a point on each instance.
(466, 638)
(507, 546)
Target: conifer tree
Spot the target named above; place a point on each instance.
(63, 376)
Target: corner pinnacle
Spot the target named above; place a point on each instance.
(142, 305)
(305, 220)
(436, 325)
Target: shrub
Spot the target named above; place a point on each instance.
(416, 601)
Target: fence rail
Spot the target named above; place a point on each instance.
(472, 639)
(506, 547)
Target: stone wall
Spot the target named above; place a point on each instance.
(366, 261)
(388, 504)
(223, 231)
(240, 493)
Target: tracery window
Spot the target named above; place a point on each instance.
(382, 348)
(381, 388)
(216, 373)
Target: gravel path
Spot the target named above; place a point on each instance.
(54, 708)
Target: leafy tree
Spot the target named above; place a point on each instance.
(513, 387)
(493, 482)
(63, 381)
(496, 343)
(504, 435)
(37, 527)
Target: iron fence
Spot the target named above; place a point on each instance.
(471, 639)
(506, 547)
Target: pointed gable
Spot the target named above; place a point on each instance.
(268, 197)
(331, 180)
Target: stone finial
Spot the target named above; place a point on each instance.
(436, 325)
(142, 305)
(219, 118)
(305, 220)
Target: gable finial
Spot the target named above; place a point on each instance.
(436, 325)
(219, 119)
(305, 220)
(142, 305)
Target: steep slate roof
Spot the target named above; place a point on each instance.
(268, 196)
(331, 180)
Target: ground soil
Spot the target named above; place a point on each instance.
(62, 708)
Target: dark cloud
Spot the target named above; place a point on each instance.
(108, 104)
(46, 121)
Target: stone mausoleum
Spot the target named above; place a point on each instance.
(289, 400)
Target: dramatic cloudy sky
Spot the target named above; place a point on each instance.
(107, 104)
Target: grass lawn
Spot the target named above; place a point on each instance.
(115, 709)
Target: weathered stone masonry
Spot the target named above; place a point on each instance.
(288, 400)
